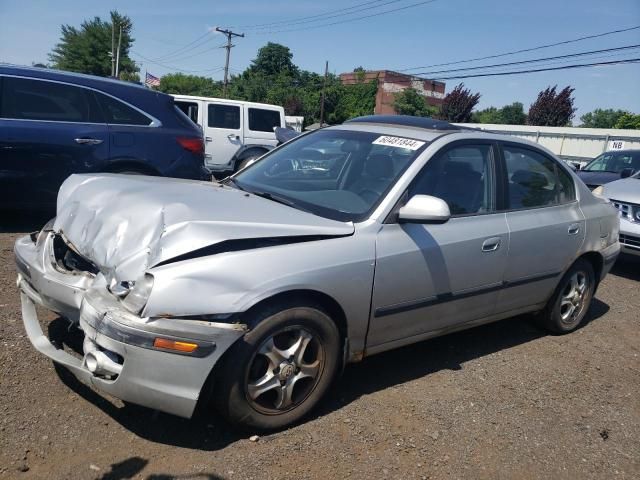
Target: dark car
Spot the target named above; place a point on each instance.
(610, 166)
(53, 124)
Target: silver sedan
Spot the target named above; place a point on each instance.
(254, 292)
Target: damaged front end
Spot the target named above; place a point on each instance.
(161, 363)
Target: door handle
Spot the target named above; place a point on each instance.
(233, 136)
(89, 141)
(573, 229)
(491, 244)
(208, 139)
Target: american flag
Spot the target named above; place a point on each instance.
(151, 81)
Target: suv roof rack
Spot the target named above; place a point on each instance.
(407, 121)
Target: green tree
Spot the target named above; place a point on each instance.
(552, 109)
(86, 49)
(513, 114)
(273, 59)
(458, 104)
(410, 102)
(488, 115)
(628, 120)
(602, 118)
(182, 84)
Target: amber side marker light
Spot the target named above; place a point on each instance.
(167, 344)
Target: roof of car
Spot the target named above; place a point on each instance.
(408, 121)
(225, 100)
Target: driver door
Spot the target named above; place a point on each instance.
(433, 277)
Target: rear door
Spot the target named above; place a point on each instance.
(260, 124)
(223, 133)
(432, 277)
(51, 130)
(545, 222)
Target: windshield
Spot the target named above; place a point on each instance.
(615, 162)
(336, 174)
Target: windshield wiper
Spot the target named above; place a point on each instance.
(232, 181)
(278, 199)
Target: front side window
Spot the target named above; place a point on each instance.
(263, 120)
(338, 174)
(29, 99)
(534, 180)
(118, 113)
(224, 116)
(461, 177)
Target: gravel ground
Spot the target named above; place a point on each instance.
(499, 401)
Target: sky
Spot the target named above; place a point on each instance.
(431, 33)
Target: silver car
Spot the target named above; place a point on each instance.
(625, 196)
(253, 293)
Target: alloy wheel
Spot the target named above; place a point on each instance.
(572, 300)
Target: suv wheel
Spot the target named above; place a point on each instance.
(571, 299)
(247, 161)
(279, 370)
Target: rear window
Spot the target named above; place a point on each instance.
(30, 99)
(190, 109)
(261, 120)
(118, 113)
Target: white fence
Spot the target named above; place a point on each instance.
(570, 143)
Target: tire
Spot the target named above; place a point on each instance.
(246, 161)
(571, 300)
(264, 382)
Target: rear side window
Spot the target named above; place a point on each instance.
(534, 180)
(28, 99)
(224, 116)
(118, 113)
(461, 176)
(263, 120)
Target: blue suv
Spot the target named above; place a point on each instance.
(53, 124)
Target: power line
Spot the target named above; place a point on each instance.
(548, 69)
(169, 67)
(185, 47)
(349, 19)
(521, 62)
(524, 50)
(261, 25)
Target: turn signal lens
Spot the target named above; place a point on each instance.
(167, 344)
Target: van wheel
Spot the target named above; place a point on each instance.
(247, 161)
(280, 370)
(571, 300)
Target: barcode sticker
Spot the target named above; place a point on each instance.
(398, 142)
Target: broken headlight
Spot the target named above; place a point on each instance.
(136, 299)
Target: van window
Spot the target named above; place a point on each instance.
(263, 120)
(118, 113)
(224, 116)
(190, 109)
(27, 99)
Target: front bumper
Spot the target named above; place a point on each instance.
(630, 237)
(148, 376)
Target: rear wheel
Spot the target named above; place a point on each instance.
(247, 161)
(571, 300)
(279, 370)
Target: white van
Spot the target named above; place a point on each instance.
(235, 132)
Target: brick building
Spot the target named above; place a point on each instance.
(390, 83)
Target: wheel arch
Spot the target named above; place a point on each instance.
(249, 151)
(597, 262)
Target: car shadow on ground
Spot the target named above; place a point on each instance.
(627, 266)
(208, 432)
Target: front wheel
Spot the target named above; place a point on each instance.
(280, 370)
(571, 300)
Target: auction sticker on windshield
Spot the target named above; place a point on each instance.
(398, 142)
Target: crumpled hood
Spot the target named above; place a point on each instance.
(125, 224)
(625, 190)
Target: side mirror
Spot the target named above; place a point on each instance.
(577, 165)
(626, 172)
(424, 209)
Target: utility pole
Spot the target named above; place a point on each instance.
(118, 53)
(228, 46)
(324, 86)
(113, 48)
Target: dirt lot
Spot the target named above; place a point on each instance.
(500, 401)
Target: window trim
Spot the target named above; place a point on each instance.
(503, 183)
(392, 216)
(154, 122)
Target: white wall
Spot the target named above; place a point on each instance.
(570, 143)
